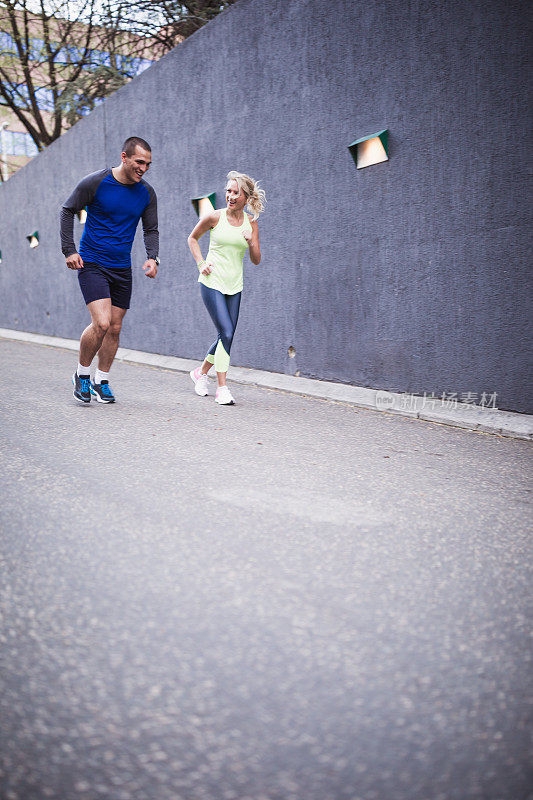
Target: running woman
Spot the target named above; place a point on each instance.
(221, 274)
(115, 199)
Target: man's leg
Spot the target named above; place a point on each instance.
(90, 341)
(100, 388)
(109, 345)
(94, 334)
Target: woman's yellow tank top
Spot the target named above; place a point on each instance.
(227, 247)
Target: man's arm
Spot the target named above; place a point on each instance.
(150, 230)
(151, 234)
(82, 195)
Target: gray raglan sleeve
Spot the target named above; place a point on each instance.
(82, 195)
(150, 230)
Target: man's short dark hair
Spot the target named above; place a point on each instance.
(135, 141)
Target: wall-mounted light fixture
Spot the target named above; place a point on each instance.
(33, 239)
(370, 149)
(204, 204)
(82, 215)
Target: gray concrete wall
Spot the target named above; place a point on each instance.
(409, 275)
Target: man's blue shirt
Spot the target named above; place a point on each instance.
(113, 212)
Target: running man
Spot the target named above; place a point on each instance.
(115, 199)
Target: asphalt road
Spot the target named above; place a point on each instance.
(289, 599)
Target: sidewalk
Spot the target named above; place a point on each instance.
(288, 598)
(447, 412)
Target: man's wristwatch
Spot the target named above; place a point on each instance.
(157, 260)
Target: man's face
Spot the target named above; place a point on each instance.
(137, 164)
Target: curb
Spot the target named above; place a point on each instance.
(459, 415)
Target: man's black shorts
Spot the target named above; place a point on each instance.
(98, 282)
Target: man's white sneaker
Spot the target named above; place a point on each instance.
(200, 382)
(223, 397)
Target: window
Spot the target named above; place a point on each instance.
(144, 63)
(20, 96)
(45, 99)
(37, 50)
(98, 58)
(74, 53)
(29, 145)
(7, 44)
(61, 56)
(18, 143)
(15, 143)
(125, 63)
(43, 96)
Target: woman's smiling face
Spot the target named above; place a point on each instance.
(235, 197)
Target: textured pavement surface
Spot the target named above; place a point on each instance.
(290, 599)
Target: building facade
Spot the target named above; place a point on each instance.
(409, 275)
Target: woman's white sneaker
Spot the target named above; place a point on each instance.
(200, 381)
(223, 397)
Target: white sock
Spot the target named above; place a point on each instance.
(100, 376)
(85, 371)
